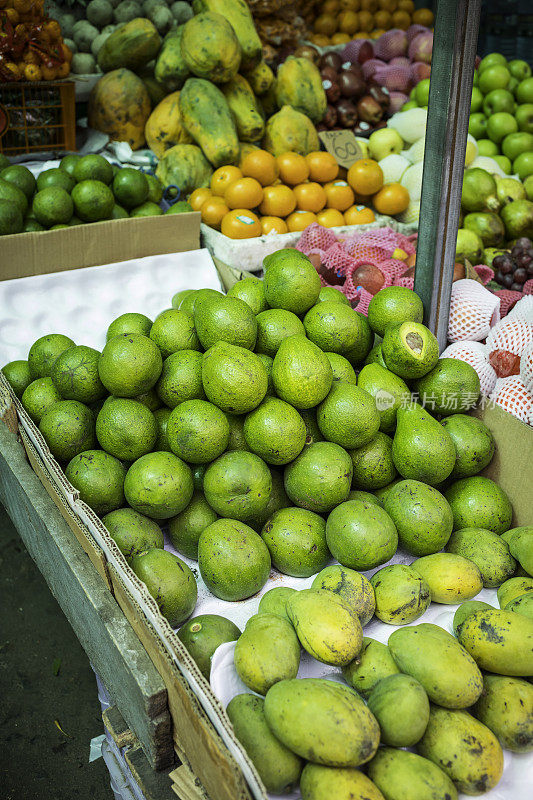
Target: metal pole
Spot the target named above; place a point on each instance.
(452, 72)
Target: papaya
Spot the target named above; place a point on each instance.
(322, 721)
(400, 775)
(243, 105)
(323, 783)
(170, 68)
(206, 116)
(131, 46)
(290, 130)
(164, 128)
(268, 101)
(465, 749)
(506, 708)
(260, 78)
(371, 665)
(156, 91)
(500, 641)
(401, 707)
(267, 651)
(210, 48)
(240, 18)
(184, 165)
(299, 85)
(119, 105)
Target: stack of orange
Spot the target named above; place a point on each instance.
(339, 21)
(288, 193)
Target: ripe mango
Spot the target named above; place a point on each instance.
(373, 663)
(522, 605)
(500, 641)
(267, 651)
(278, 767)
(513, 588)
(275, 601)
(520, 541)
(489, 552)
(464, 611)
(451, 578)
(401, 594)
(401, 707)
(326, 626)
(465, 749)
(433, 656)
(323, 783)
(400, 775)
(350, 586)
(506, 707)
(322, 721)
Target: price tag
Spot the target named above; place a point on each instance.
(343, 146)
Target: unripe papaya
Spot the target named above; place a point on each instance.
(371, 665)
(170, 68)
(267, 651)
(299, 85)
(500, 641)
(243, 105)
(164, 127)
(290, 130)
(506, 708)
(260, 78)
(210, 48)
(206, 115)
(131, 46)
(400, 775)
(238, 14)
(119, 105)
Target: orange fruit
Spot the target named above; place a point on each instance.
(351, 5)
(246, 147)
(276, 224)
(322, 166)
(330, 6)
(261, 165)
(361, 35)
(222, 177)
(48, 73)
(241, 223)
(423, 16)
(406, 5)
(310, 196)
(388, 5)
(339, 195)
(278, 201)
(359, 215)
(299, 220)
(63, 69)
(348, 22)
(32, 72)
(330, 218)
(366, 21)
(244, 193)
(365, 176)
(377, 33)
(213, 210)
(392, 199)
(320, 40)
(340, 38)
(369, 5)
(401, 19)
(293, 168)
(198, 197)
(383, 19)
(325, 24)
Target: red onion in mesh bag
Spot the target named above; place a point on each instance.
(414, 30)
(421, 47)
(391, 44)
(358, 50)
(371, 66)
(400, 61)
(397, 101)
(419, 71)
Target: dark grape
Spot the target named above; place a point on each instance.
(499, 276)
(530, 269)
(524, 260)
(520, 275)
(507, 267)
(523, 243)
(507, 281)
(515, 251)
(497, 262)
(516, 287)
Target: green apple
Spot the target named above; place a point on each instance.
(523, 165)
(528, 187)
(504, 163)
(490, 61)
(496, 77)
(498, 100)
(524, 91)
(519, 69)
(501, 125)
(486, 147)
(477, 126)
(516, 143)
(408, 105)
(422, 92)
(384, 142)
(524, 117)
(412, 93)
(477, 100)
(513, 85)
(476, 78)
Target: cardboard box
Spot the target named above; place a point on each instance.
(91, 245)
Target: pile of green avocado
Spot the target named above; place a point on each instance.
(278, 428)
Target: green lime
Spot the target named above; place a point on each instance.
(159, 485)
(236, 432)
(181, 207)
(130, 187)
(155, 189)
(31, 225)
(348, 416)
(17, 374)
(132, 532)
(147, 209)
(11, 220)
(181, 378)
(119, 213)
(252, 291)
(93, 200)
(39, 395)
(126, 429)
(320, 478)
(291, 282)
(14, 195)
(334, 327)
(275, 431)
(53, 206)
(331, 295)
(93, 167)
(179, 298)
(342, 369)
(150, 399)
(55, 177)
(301, 372)
(68, 428)
(75, 374)
(296, 540)
(44, 352)
(273, 326)
(198, 431)
(99, 478)
(202, 635)
(174, 330)
(185, 529)
(234, 378)
(130, 322)
(68, 163)
(130, 364)
(21, 177)
(161, 417)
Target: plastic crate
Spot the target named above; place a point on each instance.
(39, 117)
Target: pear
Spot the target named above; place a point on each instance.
(422, 449)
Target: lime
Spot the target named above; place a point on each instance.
(170, 582)
(159, 485)
(132, 532)
(126, 429)
(68, 163)
(181, 207)
(93, 200)
(119, 213)
(251, 290)
(393, 305)
(320, 478)
(14, 195)
(278, 499)
(161, 417)
(238, 485)
(342, 369)
(301, 372)
(55, 177)
(44, 352)
(348, 416)
(179, 297)
(130, 187)
(275, 431)
(150, 399)
(11, 220)
(131, 322)
(198, 431)
(268, 364)
(155, 189)
(291, 281)
(174, 330)
(99, 478)
(373, 467)
(225, 319)
(273, 326)
(181, 378)
(198, 472)
(53, 206)
(38, 396)
(147, 209)
(202, 635)
(236, 432)
(361, 535)
(334, 327)
(17, 374)
(130, 364)
(185, 529)
(331, 295)
(68, 428)
(31, 225)
(75, 374)
(21, 177)
(93, 167)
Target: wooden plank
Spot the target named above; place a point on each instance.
(116, 725)
(94, 615)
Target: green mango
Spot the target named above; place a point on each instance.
(350, 586)
(433, 656)
(400, 775)
(267, 651)
(322, 721)
(373, 467)
(506, 708)
(520, 541)
(464, 611)
(275, 601)
(326, 626)
(479, 502)
(522, 605)
(451, 578)
(489, 552)
(401, 707)
(322, 783)
(278, 767)
(389, 391)
(474, 444)
(474, 769)
(422, 449)
(513, 588)
(202, 635)
(500, 641)
(373, 663)
(401, 594)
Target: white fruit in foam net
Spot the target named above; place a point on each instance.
(511, 334)
(475, 354)
(511, 395)
(411, 124)
(523, 309)
(393, 167)
(473, 311)
(526, 367)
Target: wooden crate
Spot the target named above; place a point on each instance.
(39, 117)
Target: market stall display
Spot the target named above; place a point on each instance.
(32, 46)
(340, 20)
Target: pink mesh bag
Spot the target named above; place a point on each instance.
(473, 311)
(394, 267)
(526, 367)
(485, 273)
(523, 309)
(511, 395)
(475, 354)
(316, 236)
(528, 286)
(511, 334)
(409, 283)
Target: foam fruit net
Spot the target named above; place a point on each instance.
(511, 395)
(473, 311)
(526, 367)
